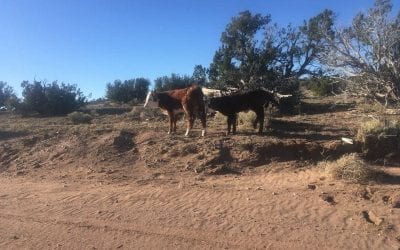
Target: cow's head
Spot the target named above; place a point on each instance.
(271, 97)
(151, 100)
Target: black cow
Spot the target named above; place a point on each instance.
(233, 104)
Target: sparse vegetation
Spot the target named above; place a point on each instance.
(246, 119)
(219, 118)
(246, 146)
(128, 91)
(189, 149)
(134, 114)
(80, 118)
(352, 168)
(123, 182)
(6, 94)
(368, 107)
(321, 86)
(380, 139)
(50, 99)
(378, 128)
(175, 81)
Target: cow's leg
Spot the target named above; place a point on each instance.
(234, 120)
(171, 117)
(255, 122)
(203, 118)
(231, 120)
(260, 118)
(189, 126)
(189, 118)
(175, 119)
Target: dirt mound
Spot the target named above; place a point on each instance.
(230, 154)
(79, 149)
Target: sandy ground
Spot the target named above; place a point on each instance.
(270, 210)
(122, 183)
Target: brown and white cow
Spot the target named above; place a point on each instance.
(189, 100)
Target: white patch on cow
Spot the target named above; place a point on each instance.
(283, 96)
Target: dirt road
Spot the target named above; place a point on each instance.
(267, 210)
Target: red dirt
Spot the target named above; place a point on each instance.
(122, 182)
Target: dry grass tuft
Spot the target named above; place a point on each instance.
(80, 118)
(246, 119)
(353, 169)
(371, 108)
(189, 149)
(219, 118)
(371, 127)
(377, 128)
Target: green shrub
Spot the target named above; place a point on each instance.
(6, 94)
(80, 118)
(51, 99)
(321, 86)
(129, 91)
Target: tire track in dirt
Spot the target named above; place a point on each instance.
(209, 213)
(99, 226)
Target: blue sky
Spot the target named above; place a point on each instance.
(92, 42)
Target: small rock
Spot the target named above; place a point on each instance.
(390, 227)
(37, 165)
(274, 193)
(15, 237)
(120, 246)
(366, 194)
(372, 217)
(111, 171)
(19, 173)
(396, 204)
(386, 199)
(311, 186)
(328, 198)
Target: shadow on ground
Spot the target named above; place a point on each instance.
(322, 108)
(7, 135)
(308, 131)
